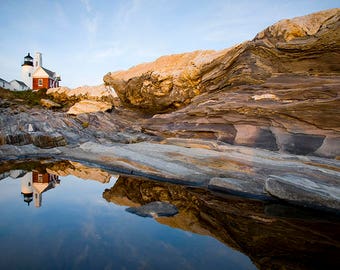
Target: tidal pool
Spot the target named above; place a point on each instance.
(64, 215)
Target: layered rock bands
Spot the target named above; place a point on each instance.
(279, 91)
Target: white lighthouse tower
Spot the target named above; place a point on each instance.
(27, 70)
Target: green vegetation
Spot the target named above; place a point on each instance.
(85, 124)
(29, 97)
(32, 98)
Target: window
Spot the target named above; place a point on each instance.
(29, 74)
(40, 178)
(40, 82)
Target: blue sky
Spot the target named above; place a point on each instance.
(82, 40)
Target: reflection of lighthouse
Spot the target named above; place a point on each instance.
(26, 187)
(33, 184)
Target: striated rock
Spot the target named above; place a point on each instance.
(303, 191)
(307, 44)
(169, 82)
(45, 140)
(89, 106)
(154, 209)
(121, 126)
(49, 103)
(222, 167)
(301, 118)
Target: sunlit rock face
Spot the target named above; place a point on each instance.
(308, 44)
(89, 106)
(279, 91)
(252, 227)
(98, 92)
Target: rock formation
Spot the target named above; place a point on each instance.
(279, 91)
(307, 44)
(287, 113)
(99, 92)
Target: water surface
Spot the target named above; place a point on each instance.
(64, 215)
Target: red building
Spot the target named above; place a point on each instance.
(44, 78)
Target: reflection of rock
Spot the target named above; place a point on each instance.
(154, 209)
(264, 232)
(65, 168)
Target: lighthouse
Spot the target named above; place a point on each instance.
(27, 188)
(27, 70)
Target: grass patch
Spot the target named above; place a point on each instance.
(28, 97)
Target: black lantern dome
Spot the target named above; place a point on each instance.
(28, 60)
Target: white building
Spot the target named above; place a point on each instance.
(17, 85)
(5, 84)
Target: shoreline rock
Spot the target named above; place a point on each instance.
(229, 169)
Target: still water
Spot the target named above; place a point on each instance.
(64, 215)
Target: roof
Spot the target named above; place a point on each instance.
(3, 80)
(22, 84)
(49, 73)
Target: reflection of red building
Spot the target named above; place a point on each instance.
(36, 183)
(43, 177)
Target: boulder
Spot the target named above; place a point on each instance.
(154, 209)
(89, 106)
(49, 103)
(99, 92)
(48, 140)
(304, 191)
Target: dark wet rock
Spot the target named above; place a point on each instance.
(302, 144)
(245, 186)
(18, 139)
(154, 209)
(304, 191)
(45, 140)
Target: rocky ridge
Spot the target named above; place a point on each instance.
(308, 44)
(279, 91)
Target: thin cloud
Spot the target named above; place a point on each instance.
(91, 24)
(87, 5)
